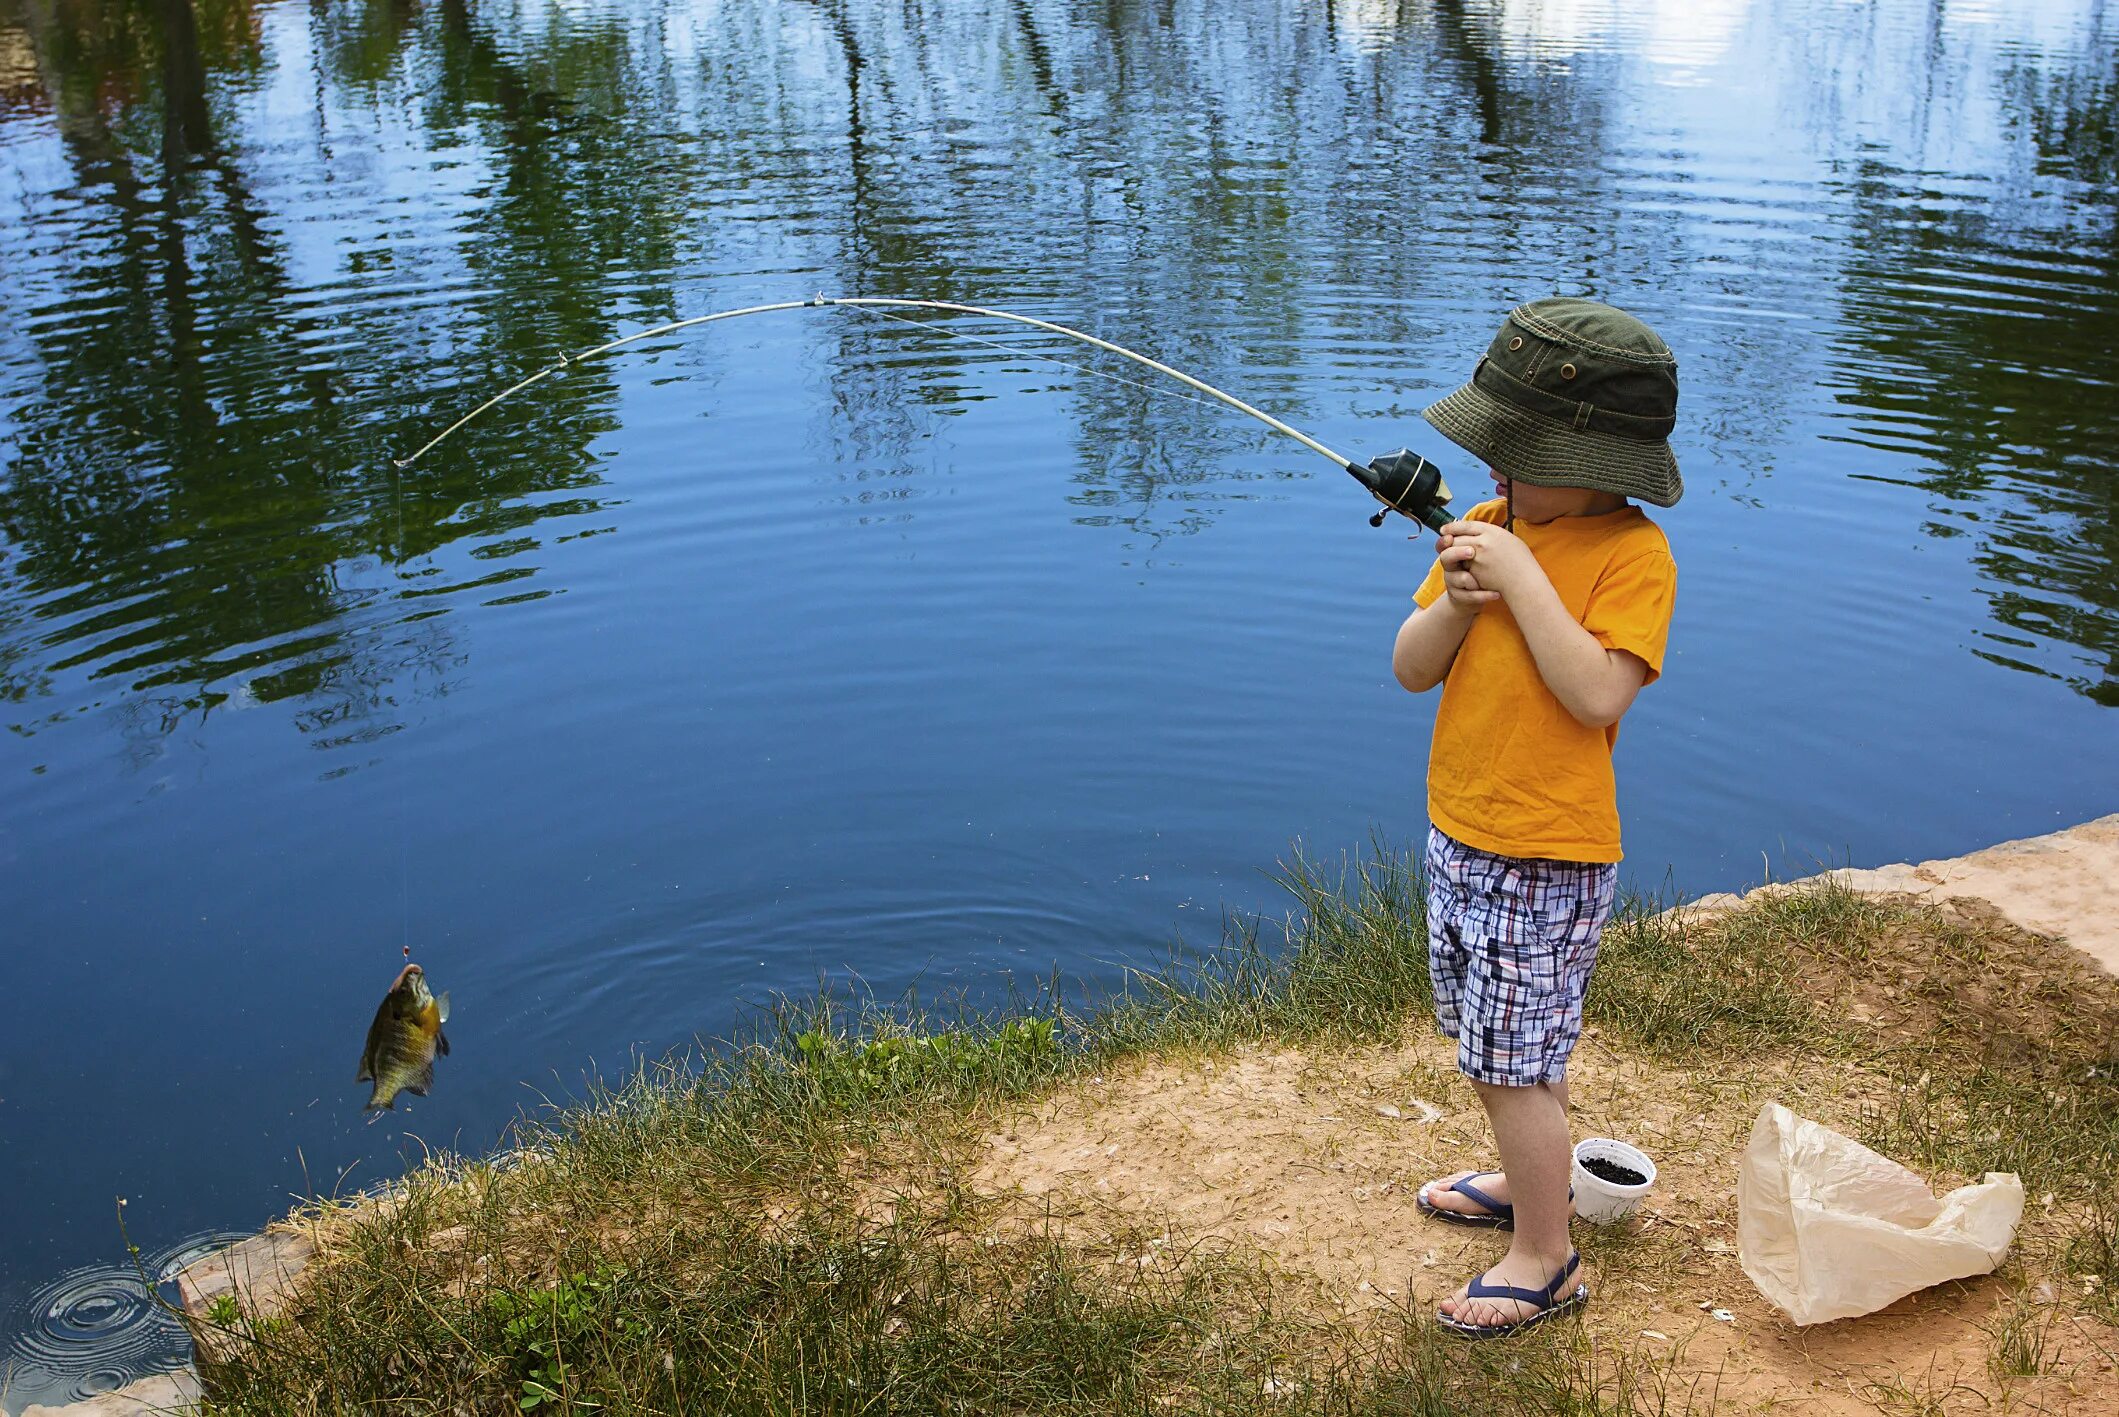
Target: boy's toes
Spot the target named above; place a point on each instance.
(1465, 1309)
(1484, 1313)
(1440, 1194)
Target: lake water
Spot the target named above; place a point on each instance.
(813, 646)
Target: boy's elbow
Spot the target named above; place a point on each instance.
(1413, 678)
(1604, 700)
(1602, 709)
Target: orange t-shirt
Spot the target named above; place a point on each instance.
(1512, 771)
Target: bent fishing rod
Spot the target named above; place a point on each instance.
(1403, 481)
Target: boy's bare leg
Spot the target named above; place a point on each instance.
(1442, 1198)
(1530, 1129)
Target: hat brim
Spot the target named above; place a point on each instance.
(1528, 447)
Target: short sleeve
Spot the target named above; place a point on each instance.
(1630, 608)
(1430, 589)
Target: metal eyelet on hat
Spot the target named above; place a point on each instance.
(1516, 343)
(1567, 371)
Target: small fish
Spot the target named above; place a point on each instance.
(399, 1054)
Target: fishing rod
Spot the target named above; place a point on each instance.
(1403, 481)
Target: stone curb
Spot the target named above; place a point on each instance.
(164, 1392)
(2064, 885)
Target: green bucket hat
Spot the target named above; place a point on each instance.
(1572, 393)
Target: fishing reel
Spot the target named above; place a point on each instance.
(1408, 484)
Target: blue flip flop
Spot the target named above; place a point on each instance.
(1548, 1300)
(1500, 1215)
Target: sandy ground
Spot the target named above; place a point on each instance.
(1297, 1155)
(1313, 1160)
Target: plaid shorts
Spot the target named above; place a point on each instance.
(1510, 943)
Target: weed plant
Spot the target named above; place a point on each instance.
(2022, 1339)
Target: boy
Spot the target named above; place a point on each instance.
(1545, 613)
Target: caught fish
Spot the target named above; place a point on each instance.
(403, 1040)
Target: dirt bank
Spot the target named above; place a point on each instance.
(1313, 1157)
(1298, 1155)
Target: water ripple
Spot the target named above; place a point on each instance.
(97, 1328)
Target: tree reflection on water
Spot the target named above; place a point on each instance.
(1983, 335)
(225, 320)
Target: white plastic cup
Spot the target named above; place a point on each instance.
(1597, 1200)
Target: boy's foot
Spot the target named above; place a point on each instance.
(1513, 1295)
(1469, 1198)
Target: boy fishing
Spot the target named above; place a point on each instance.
(1545, 613)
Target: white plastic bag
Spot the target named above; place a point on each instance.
(1828, 1229)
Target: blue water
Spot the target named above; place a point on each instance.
(810, 646)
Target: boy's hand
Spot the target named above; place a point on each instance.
(1463, 586)
(1498, 559)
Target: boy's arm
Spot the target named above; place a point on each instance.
(1594, 684)
(1450, 599)
(1428, 642)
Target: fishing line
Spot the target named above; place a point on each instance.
(404, 865)
(1403, 481)
(892, 302)
(1033, 354)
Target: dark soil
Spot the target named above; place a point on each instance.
(1611, 1171)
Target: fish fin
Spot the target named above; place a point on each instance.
(421, 1080)
(442, 1004)
(441, 1043)
(367, 1072)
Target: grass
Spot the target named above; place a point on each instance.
(1921, 1396)
(1775, 979)
(839, 1315)
(1350, 966)
(2022, 1338)
(1686, 991)
(711, 1234)
(2092, 1255)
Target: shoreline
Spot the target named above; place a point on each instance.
(2062, 887)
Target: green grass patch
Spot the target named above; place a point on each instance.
(1348, 964)
(2091, 1258)
(1687, 990)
